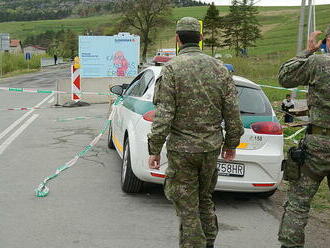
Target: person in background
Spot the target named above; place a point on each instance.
(55, 59)
(287, 104)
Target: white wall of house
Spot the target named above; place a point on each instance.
(15, 50)
(33, 50)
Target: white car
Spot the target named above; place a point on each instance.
(256, 168)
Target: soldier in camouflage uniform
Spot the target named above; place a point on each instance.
(314, 71)
(195, 94)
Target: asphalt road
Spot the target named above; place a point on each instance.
(86, 207)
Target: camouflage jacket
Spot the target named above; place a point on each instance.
(313, 71)
(195, 94)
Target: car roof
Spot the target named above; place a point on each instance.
(239, 81)
(155, 69)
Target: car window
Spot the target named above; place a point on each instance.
(151, 88)
(133, 84)
(140, 86)
(253, 101)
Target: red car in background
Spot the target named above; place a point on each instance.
(164, 55)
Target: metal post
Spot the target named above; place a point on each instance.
(301, 27)
(1, 58)
(311, 17)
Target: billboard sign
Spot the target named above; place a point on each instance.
(4, 42)
(109, 56)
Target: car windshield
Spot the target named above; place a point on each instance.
(253, 101)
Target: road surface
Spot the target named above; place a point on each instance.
(86, 207)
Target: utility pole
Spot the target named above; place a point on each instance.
(311, 17)
(301, 27)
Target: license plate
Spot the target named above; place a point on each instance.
(231, 169)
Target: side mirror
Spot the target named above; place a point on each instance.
(117, 89)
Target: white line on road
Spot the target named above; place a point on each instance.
(18, 121)
(51, 100)
(12, 137)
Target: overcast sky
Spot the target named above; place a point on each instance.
(270, 2)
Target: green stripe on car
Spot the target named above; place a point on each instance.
(141, 107)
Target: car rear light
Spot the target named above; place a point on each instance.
(149, 116)
(267, 127)
(263, 184)
(158, 175)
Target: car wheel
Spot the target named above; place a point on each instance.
(111, 145)
(266, 194)
(129, 182)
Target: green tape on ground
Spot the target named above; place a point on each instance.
(43, 190)
(16, 89)
(45, 91)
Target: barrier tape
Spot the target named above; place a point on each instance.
(281, 88)
(43, 190)
(296, 133)
(27, 108)
(42, 91)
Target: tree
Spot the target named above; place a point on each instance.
(241, 27)
(212, 25)
(145, 16)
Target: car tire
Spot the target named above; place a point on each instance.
(111, 145)
(129, 182)
(266, 194)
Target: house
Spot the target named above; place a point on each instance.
(34, 50)
(15, 46)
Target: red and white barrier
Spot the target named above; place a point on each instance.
(75, 83)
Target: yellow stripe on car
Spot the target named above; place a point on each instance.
(117, 144)
(243, 145)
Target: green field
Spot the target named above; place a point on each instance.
(279, 27)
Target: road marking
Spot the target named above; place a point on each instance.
(12, 137)
(51, 100)
(18, 121)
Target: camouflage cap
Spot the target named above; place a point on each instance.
(327, 31)
(188, 24)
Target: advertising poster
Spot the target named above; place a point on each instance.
(109, 56)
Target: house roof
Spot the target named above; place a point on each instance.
(15, 43)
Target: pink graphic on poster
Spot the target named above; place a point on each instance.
(121, 63)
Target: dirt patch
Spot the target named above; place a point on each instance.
(318, 228)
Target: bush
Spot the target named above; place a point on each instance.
(15, 62)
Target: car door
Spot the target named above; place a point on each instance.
(130, 110)
(117, 116)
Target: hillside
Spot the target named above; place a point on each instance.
(279, 26)
(31, 10)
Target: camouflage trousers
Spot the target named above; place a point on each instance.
(189, 184)
(296, 209)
